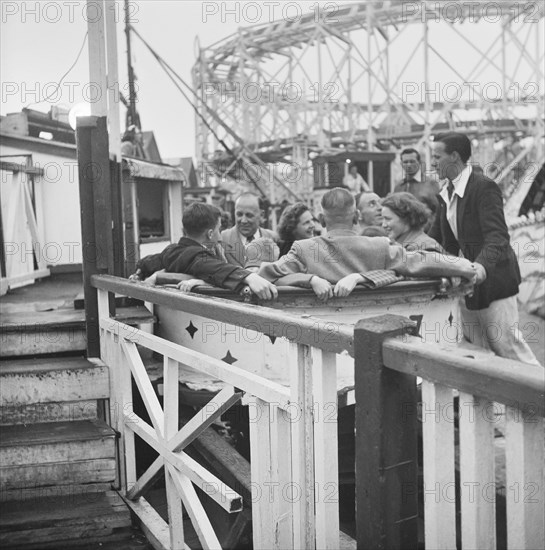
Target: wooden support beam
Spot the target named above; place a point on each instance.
(96, 216)
(386, 441)
(220, 403)
(154, 526)
(226, 497)
(199, 519)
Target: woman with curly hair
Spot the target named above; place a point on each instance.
(296, 223)
(404, 219)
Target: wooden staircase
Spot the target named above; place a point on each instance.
(58, 463)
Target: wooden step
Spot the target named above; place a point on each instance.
(56, 453)
(88, 520)
(51, 389)
(61, 330)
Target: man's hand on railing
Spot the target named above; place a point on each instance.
(464, 285)
(347, 284)
(151, 280)
(136, 276)
(262, 288)
(480, 273)
(321, 287)
(187, 286)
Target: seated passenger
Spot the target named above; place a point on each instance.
(370, 211)
(333, 265)
(296, 223)
(404, 218)
(249, 214)
(196, 254)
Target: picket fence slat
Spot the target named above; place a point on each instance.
(324, 378)
(302, 445)
(263, 519)
(477, 477)
(281, 474)
(439, 484)
(174, 502)
(525, 483)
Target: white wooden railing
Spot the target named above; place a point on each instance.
(293, 444)
(477, 391)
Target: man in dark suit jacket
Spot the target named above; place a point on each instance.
(236, 240)
(471, 221)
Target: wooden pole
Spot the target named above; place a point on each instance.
(98, 82)
(96, 216)
(386, 441)
(114, 92)
(133, 117)
(369, 27)
(427, 106)
(106, 196)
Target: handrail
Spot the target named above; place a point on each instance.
(494, 378)
(435, 286)
(387, 362)
(237, 377)
(293, 434)
(325, 335)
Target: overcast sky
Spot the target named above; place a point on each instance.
(40, 41)
(37, 48)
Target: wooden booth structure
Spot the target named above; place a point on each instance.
(38, 175)
(329, 170)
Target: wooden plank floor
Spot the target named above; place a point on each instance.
(54, 292)
(50, 303)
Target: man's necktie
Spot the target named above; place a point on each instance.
(450, 189)
(249, 239)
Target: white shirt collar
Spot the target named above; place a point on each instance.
(459, 182)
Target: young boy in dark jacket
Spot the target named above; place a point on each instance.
(196, 253)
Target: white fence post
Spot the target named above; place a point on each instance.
(302, 445)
